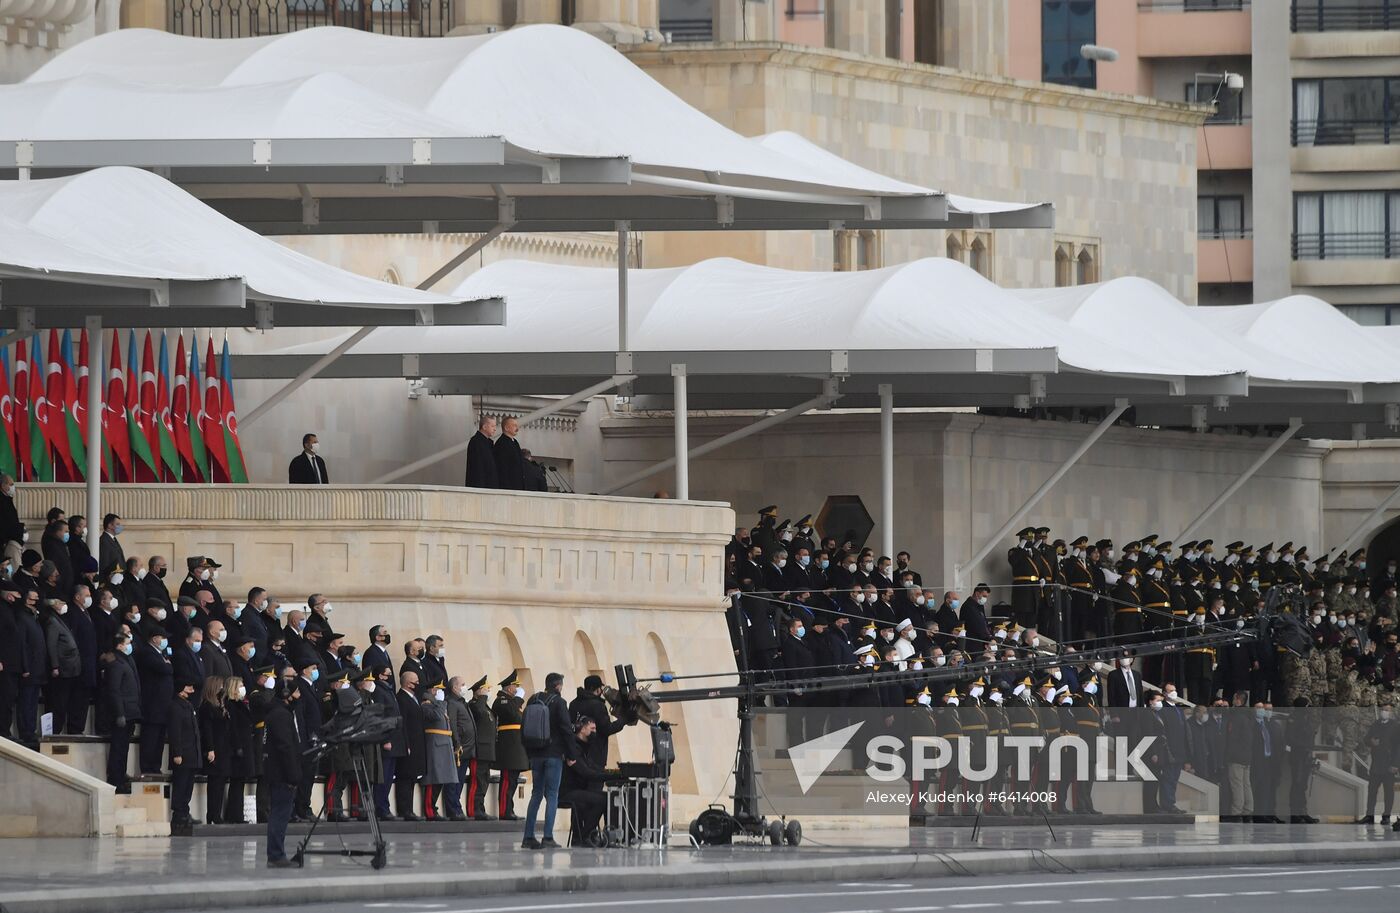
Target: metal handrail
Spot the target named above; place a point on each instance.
(1331, 16)
(246, 18)
(1357, 245)
(1344, 131)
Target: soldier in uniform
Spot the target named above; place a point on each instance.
(368, 753)
(342, 765)
(1025, 578)
(1127, 614)
(1265, 567)
(1304, 565)
(998, 728)
(1231, 580)
(1105, 577)
(1205, 561)
(479, 769)
(764, 536)
(439, 764)
(511, 758)
(1087, 723)
(1286, 568)
(1021, 711)
(1080, 581)
(1199, 662)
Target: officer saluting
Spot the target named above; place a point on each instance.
(439, 762)
(1025, 578)
(511, 758)
(479, 770)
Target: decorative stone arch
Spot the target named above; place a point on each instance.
(1086, 266)
(584, 660)
(1382, 545)
(508, 649)
(391, 276)
(979, 256)
(1064, 266)
(953, 247)
(683, 771)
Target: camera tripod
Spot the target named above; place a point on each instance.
(366, 789)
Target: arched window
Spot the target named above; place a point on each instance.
(979, 257)
(955, 248)
(585, 658)
(1086, 270)
(391, 276)
(1064, 270)
(509, 648)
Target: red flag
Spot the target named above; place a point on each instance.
(53, 418)
(149, 418)
(79, 401)
(22, 409)
(180, 409)
(211, 426)
(114, 414)
(7, 417)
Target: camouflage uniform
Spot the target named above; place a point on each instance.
(1385, 606)
(1321, 666)
(1295, 675)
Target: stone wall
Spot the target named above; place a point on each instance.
(959, 476)
(1121, 170)
(541, 583)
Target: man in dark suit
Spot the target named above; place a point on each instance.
(377, 653)
(481, 456)
(281, 767)
(308, 711)
(307, 468)
(110, 554)
(510, 460)
(1125, 684)
(187, 662)
(411, 765)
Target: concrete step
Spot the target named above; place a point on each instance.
(131, 815)
(144, 829)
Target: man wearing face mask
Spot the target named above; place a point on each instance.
(434, 658)
(1382, 740)
(157, 681)
(309, 718)
(121, 697)
(439, 766)
(487, 737)
(152, 584)
(377, 654)
(972, 614)
(463, 728)
(511, 757)
(797, 664)
(764, 536)
(1025, 577)
(187, 660)
(1126, 601)
(1125, 684)
(307, 467)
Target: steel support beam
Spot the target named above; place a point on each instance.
(295, 383)
(682, 413)
(623, 230)
(566, 402)
(887, 469)
(471, 250)
(1294, 425)
(960, 570)
(1390, 499)
(94, 433)
(829, 396)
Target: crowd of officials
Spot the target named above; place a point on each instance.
(803, 607)
(235, 690)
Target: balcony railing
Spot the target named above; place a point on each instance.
(1224, 234)
(688, 30)
(1332, 16)
(1357, 245)
(1344, 132)
(1191, 6)
(244, 18)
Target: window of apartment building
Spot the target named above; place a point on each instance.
(687, 20)
(1347, 225)
(1345, 15)
(1229, 106)
(857, 250)
(1220, 217)
(1345, 111)
(1065, 27)
(1372, 315)
(1192, 6)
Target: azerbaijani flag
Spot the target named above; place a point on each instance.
(237, 469)
(165, 427)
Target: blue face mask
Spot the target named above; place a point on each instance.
(64, 537)
(357, 659)
(804, 560)
(315, 674)
(117, 530)
(252, 651)
(301, 625)
(825, 564)
(196, 645)
(237, 612)
(164, 644)
(955, 603)
(126, 648)
(801, 631)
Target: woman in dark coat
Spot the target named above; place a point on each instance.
(511, 758)
(214, 737)
(242, 769)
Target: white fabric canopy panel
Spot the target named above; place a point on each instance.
(112, 225)
(133, 94)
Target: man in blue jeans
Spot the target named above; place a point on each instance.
(547, 764)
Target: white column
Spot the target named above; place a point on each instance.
(682, 410)
(887, 468)
(622, 232)
(94, 433)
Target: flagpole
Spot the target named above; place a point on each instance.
(94, 435)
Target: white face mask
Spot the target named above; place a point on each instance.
(940, 660)
(223, 635)
(975, 691)
(995, 697)
(1171, 694)
(952, 702)
(269, 682)
(916, 665)
(908, 634)
(439, 695)
(117, 579)
(919, 600)
(889, 637)
(868, 566)
(205, 574)
(851, 568)
(1091, 688)
(87, 602)
(925, 700)
(160, 614)
(369, 687)
(868, 660)
(782, 563)
(858, 598)
(140, 573)
(1126, 662)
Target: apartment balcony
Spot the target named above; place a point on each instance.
(245, 18)
(1341, 16)
(1346, 258)
(1224, 147)
(1193, 28)
(1225, 257)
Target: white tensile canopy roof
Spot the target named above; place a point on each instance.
(383, 126)
(758, 335)
(129, 247)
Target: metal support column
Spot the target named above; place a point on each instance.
(94, 433)
(763, 424)
(1294, 424)
(623, 230)
(960, 570)
(682, 411)
(887, 469)
(566, 402)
